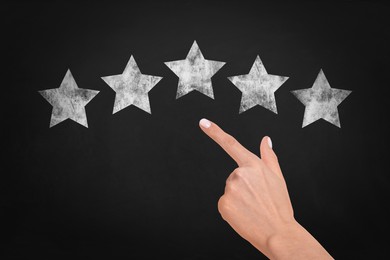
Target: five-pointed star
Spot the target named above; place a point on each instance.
(321, 101)
(258, 87)
(131, 87)
(195, 72)
(68, 101)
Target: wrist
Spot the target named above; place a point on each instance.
(284, 238)
(295, 242)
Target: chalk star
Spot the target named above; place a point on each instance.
(131, 87)
(321, 101)
(68, 101)
(258, 87)
(195, 72)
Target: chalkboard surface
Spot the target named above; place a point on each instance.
(142, 185)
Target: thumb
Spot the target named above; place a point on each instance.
(269, 157)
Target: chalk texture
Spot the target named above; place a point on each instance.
(258, 87)
(321, 101)
(68, 101)
(131, 87)
(195, 72)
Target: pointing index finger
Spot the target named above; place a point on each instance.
(239, 153)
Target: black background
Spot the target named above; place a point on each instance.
(141, 185)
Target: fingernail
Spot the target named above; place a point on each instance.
(205, 123)
(269, 142)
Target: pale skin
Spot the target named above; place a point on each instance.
(256, 202)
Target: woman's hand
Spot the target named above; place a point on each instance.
(256, 203)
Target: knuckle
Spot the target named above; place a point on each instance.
(230, 187)
(223, 205)
(232, 175)
(235, 181)
(239, 173)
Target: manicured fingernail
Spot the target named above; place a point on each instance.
(205, 123)
(269, 142)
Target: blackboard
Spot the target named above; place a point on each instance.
(138, 185)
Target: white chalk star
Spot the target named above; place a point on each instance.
(258, 87)
(131, 87)
(321, 101)
(68, 101)
(195, 72)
